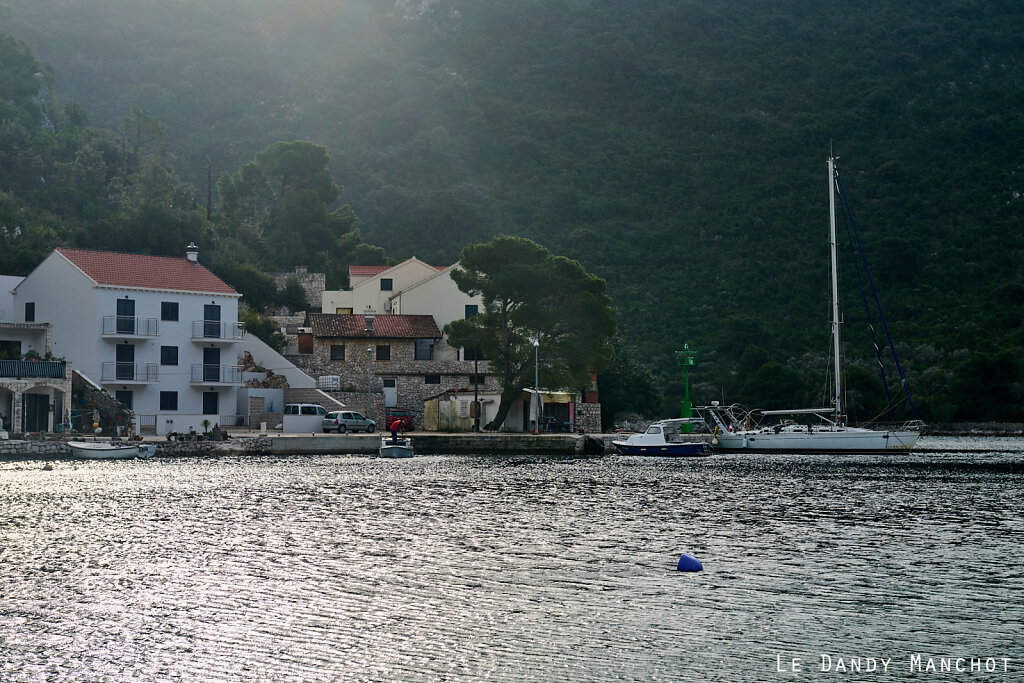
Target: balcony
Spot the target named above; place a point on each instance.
(217, 332)
(32, 369)
(129, 327)
(220, 375)
(128, 373)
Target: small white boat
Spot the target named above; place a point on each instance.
(104, 450)
(664, 438)
(395, 448)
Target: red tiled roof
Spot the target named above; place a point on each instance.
(370, 271)
(149, 272)
(384, 326)
(364, 271)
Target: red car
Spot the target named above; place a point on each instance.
(401, 416)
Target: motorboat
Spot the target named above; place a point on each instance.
(738, 430)
(106, 450)
(400, 447)
(664, 438)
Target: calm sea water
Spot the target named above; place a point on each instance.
(512, 568)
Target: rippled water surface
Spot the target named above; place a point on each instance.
(542, 568)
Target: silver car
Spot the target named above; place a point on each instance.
(342, 421)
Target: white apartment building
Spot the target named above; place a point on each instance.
(411, 287)
(161, 334)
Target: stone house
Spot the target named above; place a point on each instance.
(394, 354)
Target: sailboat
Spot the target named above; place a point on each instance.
(735, 432)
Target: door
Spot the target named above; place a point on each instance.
(125, 316)
(210, 403)
(124, 398)
(211, 365)
(124, 368)
(390, 392)
(211, 320)
(37, 412)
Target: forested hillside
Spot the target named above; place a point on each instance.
(676, 148)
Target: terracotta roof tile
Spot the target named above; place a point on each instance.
(148, 272)
(384, 326)
(370, 271)
(364, 271)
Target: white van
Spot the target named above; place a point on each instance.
(301, 418)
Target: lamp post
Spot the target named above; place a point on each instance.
(369, 378)
(536, 383)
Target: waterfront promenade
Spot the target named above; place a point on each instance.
(425, 443)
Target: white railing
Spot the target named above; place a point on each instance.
(130, 326)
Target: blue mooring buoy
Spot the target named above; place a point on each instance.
(689, 563)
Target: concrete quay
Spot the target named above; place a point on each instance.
(250, 443)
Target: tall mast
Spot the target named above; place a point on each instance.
(835, 285)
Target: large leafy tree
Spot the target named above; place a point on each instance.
(283, 196)
(530, 294)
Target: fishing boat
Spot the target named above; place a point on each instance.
(395, 447)
(746, 431)
(664, 438)
(105, 450)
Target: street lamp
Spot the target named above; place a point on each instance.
(536, 383)
(369, 378)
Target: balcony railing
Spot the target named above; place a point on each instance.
(22, 369)
(130, 326)
(211, 330)
(129, 372)
(216, 374)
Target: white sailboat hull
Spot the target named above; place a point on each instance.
(853, 440)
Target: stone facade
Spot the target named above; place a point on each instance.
(415, 380)
(313, 284)
(588, 417)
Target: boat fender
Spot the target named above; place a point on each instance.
(689, 563)
(172, 436)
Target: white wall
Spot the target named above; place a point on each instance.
(76, 306)
(272, 360)
(64, 297)
(441, 298)
(7, 283)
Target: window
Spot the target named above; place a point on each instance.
(383, 352)
(477, 379)
(10, 350)
(472, 353)
(343, 311)
(168, 400)
(337, 352)
(386, 284)
(424, 349)
(169, 356)
(471, 310)
(210, 401)
(309, 410)
(431, 379)
(30, 311)
(124, 398)
(168, 310)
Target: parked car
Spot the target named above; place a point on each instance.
(342, 421)
(302, 418)
(402, 416)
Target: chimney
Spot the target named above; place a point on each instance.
(369, 322)
(192, 252)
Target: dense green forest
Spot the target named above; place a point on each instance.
(676, 149)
